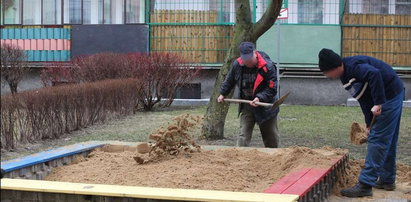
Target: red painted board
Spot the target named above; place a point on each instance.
(304, 184)
(286, 181)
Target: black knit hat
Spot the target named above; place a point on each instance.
(328, 60)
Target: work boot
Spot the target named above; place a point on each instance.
(386, 186)
(359, 190)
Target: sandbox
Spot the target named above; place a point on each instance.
(106, 170)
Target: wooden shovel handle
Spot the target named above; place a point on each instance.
(248, 102)
(372, 121)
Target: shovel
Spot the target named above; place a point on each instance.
(372, 122)
(359, 132)
(264, 104)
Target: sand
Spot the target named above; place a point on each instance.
(350, 177)
(174, 160)
(171, 140)
(359, 133)
(224, 169)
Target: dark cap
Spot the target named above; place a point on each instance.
(328, 60)
(247, 50)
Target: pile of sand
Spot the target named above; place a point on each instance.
(359, 133)
(349, 177)
(170, 141)
(231, 169)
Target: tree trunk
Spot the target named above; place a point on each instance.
(13, 87)
(245, 30)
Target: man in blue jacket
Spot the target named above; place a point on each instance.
(380, 92)
(255, 75)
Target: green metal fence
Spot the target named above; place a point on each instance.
(201, 29)
(380, 29)
(197, 29)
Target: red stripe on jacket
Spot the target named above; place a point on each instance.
(261, 64)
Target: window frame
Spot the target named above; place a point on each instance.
(82, 10)
(399, 3)
(123, 21)
(135, 23)
(20, 14)
(41, 14)
(63, 13)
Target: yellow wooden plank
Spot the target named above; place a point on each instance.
(139, 192)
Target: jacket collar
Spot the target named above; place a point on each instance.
(260, 61)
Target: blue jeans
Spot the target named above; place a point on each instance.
(382, 144)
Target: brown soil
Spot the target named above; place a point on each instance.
(349, 177)
(224, 169)
(170, 141)
(359, 133)
(174, 160)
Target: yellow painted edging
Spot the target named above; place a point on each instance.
(140, 192)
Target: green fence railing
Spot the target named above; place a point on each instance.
(201, 30)
(378, 29)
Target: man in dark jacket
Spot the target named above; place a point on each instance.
(380, 92)
(255, 76)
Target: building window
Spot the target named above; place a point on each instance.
(375, 6)
(113, 12)
(51, 12)
(135, 11)
(72, 11)
(55, 12)
(11, 11)
(310, 12)
(32, 12)
(403, 7)
(225, 10)
(396, 7)
(92, 11)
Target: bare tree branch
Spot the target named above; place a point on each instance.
(267, 20)
(13, 65)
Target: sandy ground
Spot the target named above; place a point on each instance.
(402, 193)
(229, 169)
(224, 169)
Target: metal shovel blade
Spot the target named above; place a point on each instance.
(280, 101)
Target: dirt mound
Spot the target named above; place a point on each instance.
(233, 169)
(359, 133)
(170, 141)
(338, 151)
(349, 177)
